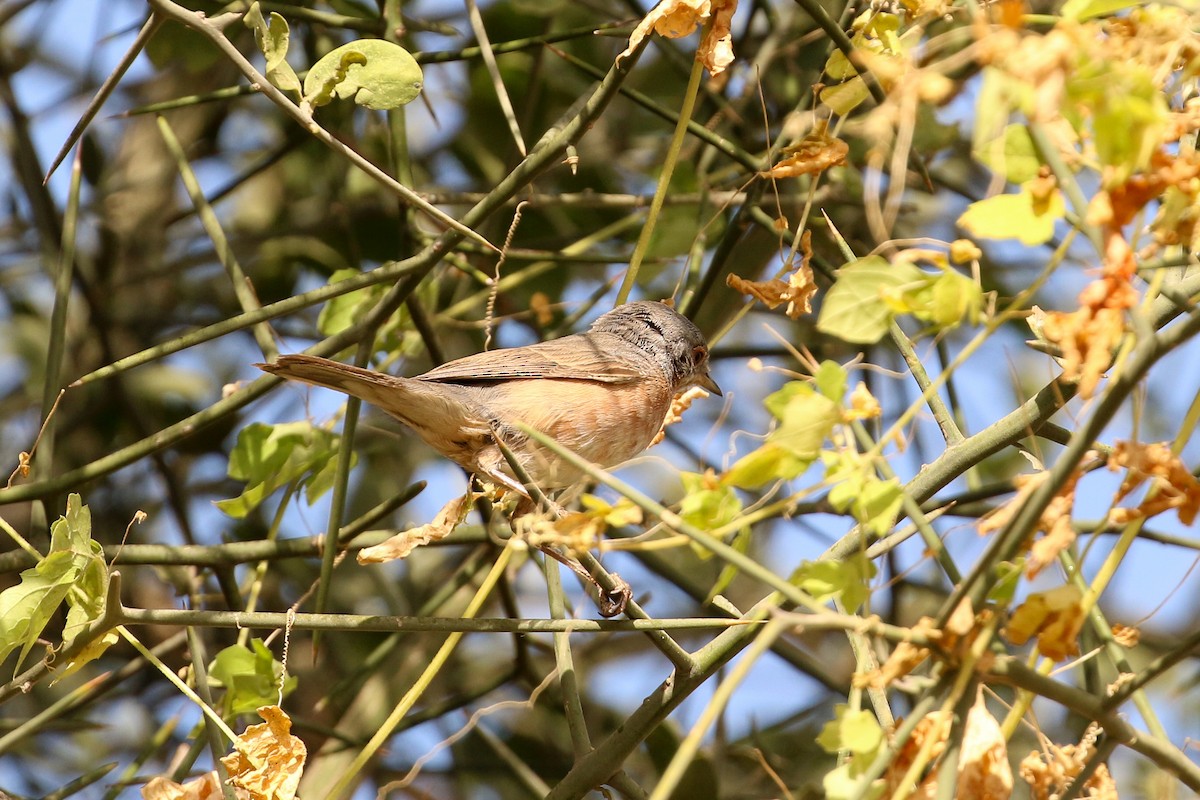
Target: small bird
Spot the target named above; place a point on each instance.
(603, 394)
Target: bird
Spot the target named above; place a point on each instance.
(603, 393)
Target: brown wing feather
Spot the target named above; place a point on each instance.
(584, 356)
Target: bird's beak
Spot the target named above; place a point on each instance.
(707, 382)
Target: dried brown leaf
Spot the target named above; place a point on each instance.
(797, 291)
(1174, 486)
(962, 619)
(1055, 521)
(772, 293)
(1048, 773)
(403, 543)
(539, 304)
(906, 657)
(206, 787)
(678, 18)
(816, 152)
(1126, 635)
(267, 760)
(1055, 617)
(983, 770)
(682, 402)
(933, 726)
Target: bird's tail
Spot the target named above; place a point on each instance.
(375, 387)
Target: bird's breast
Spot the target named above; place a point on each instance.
(605, 423)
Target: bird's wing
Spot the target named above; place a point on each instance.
(583, 357)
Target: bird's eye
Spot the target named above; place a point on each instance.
(699, 354)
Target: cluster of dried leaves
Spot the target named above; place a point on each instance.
(1052, 770)
(797, 291)
(1056, 616)
(983, 763)
(983, 769)
(266, 764)
(678, 18)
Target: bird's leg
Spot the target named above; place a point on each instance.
(610, 601)
(532, 500)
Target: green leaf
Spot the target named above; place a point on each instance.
(250, 677)
(778, 401)
(708, 504)
(340, 312)
(831, 379)
(877, 505)
(74, 562)
(346, 309)
(1008, 576)
(1014, 216)
(374, 73)
(765, 465)
(855, 309)
(843, 98)
(954, 298)
(87, 601)
(27, 607)
(272, 40)
(805, 419)
(268, 457)
(841, 783)
(838, 67)
(1081, 10)
(1129, 113)
(741, 543)
(874, 503)
(856, 732)
(847, 580)
(1010, 154)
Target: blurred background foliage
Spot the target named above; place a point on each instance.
(295, 214)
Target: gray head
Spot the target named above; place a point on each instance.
(669, 337)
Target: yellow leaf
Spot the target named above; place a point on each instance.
(1055, 617)
(1014, 216)
(863, 404)
(267, 761)
(964, 250)
(845, 97)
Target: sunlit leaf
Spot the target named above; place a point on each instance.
(1014, 216)
(374, 73)
(1055, 617)
(268, 457)
(855, 309)
(847, 580)
(267, 760)
(1080, 10)
(74, 560)
(766, 464)
(873, 502)
(855, 731)
(251, 676)
(806, 419)
(842, 98)
(272, 38)
(830, 378)
(707, 503)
